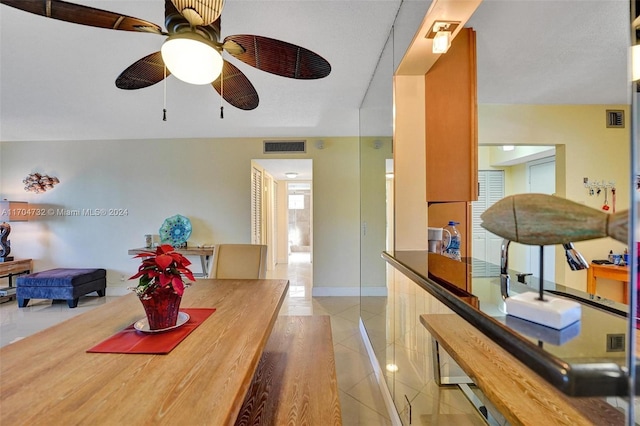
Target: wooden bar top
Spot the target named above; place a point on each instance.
(523, 397)
(49, 378)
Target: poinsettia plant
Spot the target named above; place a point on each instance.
(162, 268)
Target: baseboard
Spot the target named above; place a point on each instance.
(373, 291)
(386, 395)
(335, 291)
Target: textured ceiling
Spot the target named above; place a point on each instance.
(57, 79)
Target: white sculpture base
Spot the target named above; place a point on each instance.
(554, 312)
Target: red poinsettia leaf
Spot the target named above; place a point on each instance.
(187, 273)
(163, 249)
(164, 279)
(178, 285)
(138, 275)
(180, 259)
(164, 261)
(145, 254)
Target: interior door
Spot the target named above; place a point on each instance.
(486, 245)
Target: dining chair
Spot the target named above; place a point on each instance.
(242, 261)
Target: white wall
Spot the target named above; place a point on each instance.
(207, 180)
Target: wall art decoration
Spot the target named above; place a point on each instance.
(38, 183)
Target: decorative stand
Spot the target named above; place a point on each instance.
(554, 312)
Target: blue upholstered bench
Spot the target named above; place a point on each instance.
(61, 283)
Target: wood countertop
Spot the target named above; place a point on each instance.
(49, 377)
(523, 397)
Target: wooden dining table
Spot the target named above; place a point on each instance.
(49, 378)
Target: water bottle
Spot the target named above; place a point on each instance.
(452, 249)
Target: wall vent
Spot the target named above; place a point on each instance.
(285, 146)
(615, 342)
(615, 118)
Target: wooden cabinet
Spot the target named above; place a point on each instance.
(451, 123)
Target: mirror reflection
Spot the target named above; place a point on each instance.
(534, 136)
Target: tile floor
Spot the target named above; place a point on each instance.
(360, 397)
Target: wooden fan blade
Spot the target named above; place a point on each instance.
(279, 57)
(236, 88)
(84, 15)
(199, 12)
(144, 72)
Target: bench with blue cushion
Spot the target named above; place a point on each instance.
(61, 284)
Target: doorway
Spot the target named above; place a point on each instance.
(299, 213)
(286, 213)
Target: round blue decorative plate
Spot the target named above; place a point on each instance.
(175, 230)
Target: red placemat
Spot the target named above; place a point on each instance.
(132, 341)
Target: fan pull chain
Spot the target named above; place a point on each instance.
(164, 109)
(222, 92)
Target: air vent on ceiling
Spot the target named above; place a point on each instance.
(615, 118)
(284, 146)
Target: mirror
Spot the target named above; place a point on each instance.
(376, 180)
(578, 132)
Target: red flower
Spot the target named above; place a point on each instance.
(162, 268)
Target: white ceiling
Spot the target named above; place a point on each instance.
(57, 79)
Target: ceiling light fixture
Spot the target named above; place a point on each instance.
(291, 175)
(508, 147)
(192, 58)
(441, 32)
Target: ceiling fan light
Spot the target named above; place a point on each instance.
(191, 58)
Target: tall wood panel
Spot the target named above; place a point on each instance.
(452, 123)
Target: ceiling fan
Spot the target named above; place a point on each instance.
(192, 51)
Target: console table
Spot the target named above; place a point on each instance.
(9, 270)
(205, 254)
(611, 272)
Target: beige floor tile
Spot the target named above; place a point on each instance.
(351, 367)
(336, 305)
(352, 314)
(343, 329)
(366, 391)
(356, 344)
(355, 413)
